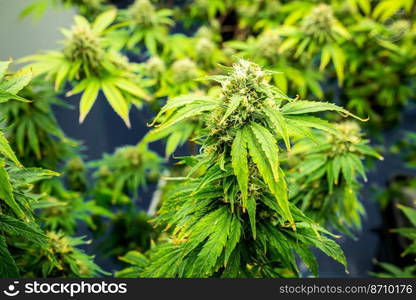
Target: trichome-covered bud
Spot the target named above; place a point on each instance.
(142, 12)
(131, 154)
(155, 66)
(84, 45)
(268, 44)
(349, 134)
(184, 70)
(319, 23)
(204, 48)
(75, 165)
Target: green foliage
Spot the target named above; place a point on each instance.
(120, 175)
(33, 130)
(60, 257)
(234, 218)
(267, 175)
(22, 239)
(410, 234)
(325, 172)
(146, 24)
(89, 62)
(16, 218)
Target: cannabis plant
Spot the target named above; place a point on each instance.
(120, 175)
(409, 233)
(234, 218)
(264, 50)
(33, 131)
(90, 64)
(324, 178)
(146, 24)
(59, 258)
(16, 199)
(318, 32)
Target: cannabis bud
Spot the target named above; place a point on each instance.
(59, 243)
(104, 171)
(349, 135)
(398, 28)
(141, 12)
(247, 86)
(155, 66)
(268, 44)
(204, 47)
(318, 24)
(184, 70)
(204, 32)
(84, 45)
(131, 154)
(75, 165)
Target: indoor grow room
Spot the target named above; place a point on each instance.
(196, 138)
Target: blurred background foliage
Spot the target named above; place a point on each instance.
(359, 54)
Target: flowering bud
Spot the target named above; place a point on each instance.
(184, 70)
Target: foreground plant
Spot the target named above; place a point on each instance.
(25, 249)
(234, 219)
(16, 198)
(32, 129)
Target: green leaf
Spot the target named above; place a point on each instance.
(18, 228)
(17, 81)
(4, 65)
(347, 169)
(240, 165)
(117, 101)
(279, 189)
(278, 123)
(410, 213)
(312, 122)
(367, 150)
(7, 151)
(104, 20)
(358, 165)
(251, 209)
(338, 58)
(6, 191)
(131, 88)
(336, 167)
(308, 257)
(8, 268)
(33, 139)
(234, 103)
(233, 238)
(176, 102)
(6, 96)
(212, 249)
(325, 57)
(135, 258)
(269, 146)
(331, 248)
(186, 112)
(298, 107)
(88, 98)
(62, 74)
